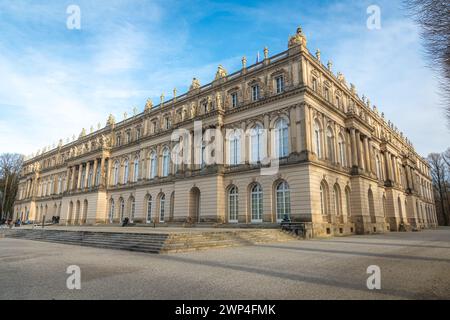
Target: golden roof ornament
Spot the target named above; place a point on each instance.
(221, 72)
(244, 62)
(298, 39)
(148, 105)
(195, 84)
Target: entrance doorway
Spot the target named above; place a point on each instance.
(194, 204)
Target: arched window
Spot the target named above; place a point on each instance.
(97, 176)
(162, 207)
(136, 169)
(347, 201)
(257, 144)
(233, 204)
(125, 172)
(337, 200)
(330, 145)
(111, 210)
(149, 208)
(153, 165)
(116, 173)
(166, 162)
(281, 138)
(283, 201)
(122, 209)
(317, 140)
(234, 148)
(256, 203)
(132, 209)
(341, 146)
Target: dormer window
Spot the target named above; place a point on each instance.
(280, 84)
(128, 137)
(255, 92)
(118, 140)
(234, 100)
(338, 102)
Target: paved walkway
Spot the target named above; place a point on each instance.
(414, 265)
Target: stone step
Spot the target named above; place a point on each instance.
(154, 242)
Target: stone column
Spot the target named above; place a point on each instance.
(244, 146)
(306, 130)
(268, 136)
(366, 153)
(354, 148)
(190, 155)
(86, 174)
(104, 176)
(359, 150)
(72, 181)
(395, 169)
(94, 171)
(67, 186)
(80, 171)
(292, 129)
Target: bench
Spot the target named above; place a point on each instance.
(296, 227)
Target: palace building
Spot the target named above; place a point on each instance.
(341, 167)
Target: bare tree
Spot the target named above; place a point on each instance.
(433, 16)
(10, 166)
(439, 176)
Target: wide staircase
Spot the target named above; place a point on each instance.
(154, 242)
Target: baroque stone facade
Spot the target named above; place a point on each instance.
(341, 166)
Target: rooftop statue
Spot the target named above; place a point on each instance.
(221, 72)
(195, 84)
(148, 105)
(110, 120)
(297, 39)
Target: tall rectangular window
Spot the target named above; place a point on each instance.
(327, 94)
(255, 92)
(138, 133)
(234, 100)
(280, 84)
(314, 84)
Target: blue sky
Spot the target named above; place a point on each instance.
(55, 81)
